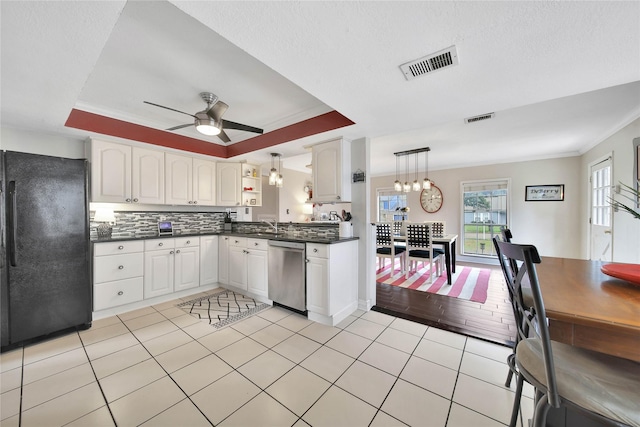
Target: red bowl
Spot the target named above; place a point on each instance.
(628, 272)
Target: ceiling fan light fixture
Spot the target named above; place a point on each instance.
(207, 126)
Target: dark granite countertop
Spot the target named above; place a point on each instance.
(270, 236)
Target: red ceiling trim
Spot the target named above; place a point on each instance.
(313, 126)
(84, 120)
(107, 126)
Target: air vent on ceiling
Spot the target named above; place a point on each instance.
(436, 61)
(480, 117)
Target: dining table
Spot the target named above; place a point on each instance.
(589, 309)
(448, 242)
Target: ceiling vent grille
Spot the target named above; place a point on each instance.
(479, 118)
(436, 61)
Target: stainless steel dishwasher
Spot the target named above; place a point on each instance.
(287, 278)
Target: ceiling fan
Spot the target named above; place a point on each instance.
(209, 121)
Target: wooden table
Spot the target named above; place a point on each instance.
(589, 309)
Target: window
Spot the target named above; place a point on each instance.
(485, 213)
(600, 194)
(389, 205)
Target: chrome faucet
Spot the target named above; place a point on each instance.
(274, 225)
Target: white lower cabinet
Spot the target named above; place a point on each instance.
(248, 265)
(171, 265)
(209, 249)
(223, 259)
(117, 273)
(257, 266)
(238, 262)
(332, 281)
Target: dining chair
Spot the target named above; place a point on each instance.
(437, 227)
(599, 386)
(386, 246)
(419, 248)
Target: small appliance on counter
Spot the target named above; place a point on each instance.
(165, 228)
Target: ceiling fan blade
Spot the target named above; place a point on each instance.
(217, 110)
(223, 136)
(168, 108)
(180, 127)
(239, 126)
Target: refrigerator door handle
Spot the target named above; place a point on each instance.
(13, 224)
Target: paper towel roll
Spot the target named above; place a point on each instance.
(346, 229)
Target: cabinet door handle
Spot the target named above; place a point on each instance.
(338, 197)
(306, 260)
(128, 200)
(160, 244)
(315, 250)
(135, 200)
(255, 243)
(121, 247)
(195, 202)
(178, 251)
(188, 242)
(190, 202)
(121, 267)
(120, 293)
(171, 253)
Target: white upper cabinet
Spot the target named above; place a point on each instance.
(124, 174)
(179, 179)
(147, 177)
(110, 172)
(331, 163)
(228, 182)
(204, 182)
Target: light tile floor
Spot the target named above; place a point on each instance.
(160, 367)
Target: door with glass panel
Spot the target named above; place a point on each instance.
(600, 215)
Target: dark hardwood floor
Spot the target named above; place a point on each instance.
(492, 321)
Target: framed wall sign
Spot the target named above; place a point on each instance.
(540, 193)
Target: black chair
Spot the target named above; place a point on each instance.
(602, 387)
(522, 311)
(386, 246)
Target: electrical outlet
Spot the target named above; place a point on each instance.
(287, 211)
(163, 218)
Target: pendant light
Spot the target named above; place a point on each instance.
(406, 187)
(416, 186)
(426, 183)
(279, 179)
(397, 185)
(273, 173)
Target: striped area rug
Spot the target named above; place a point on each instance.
(468, 283)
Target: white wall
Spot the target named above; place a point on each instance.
(626, 229)
(554, 227)
(40, 143)
(291, 196)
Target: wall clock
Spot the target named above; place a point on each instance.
(431, 199)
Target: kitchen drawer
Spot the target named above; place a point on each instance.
(262, 244)
(115, 248)
(185, 242)
(117, 267)
(317, 250)
(238, 241)
(156, 244)
(111, 294)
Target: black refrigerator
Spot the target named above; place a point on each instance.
(45, 268)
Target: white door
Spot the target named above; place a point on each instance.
(327, 168)
(208, 259)
(228, 184)
(223, 260)
(318, 285)
(110, 172)
(600, 218)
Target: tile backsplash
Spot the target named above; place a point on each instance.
(142, 224)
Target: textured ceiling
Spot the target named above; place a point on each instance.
(560, 76)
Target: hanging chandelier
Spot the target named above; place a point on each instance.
(275, 178)
(406, 187)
